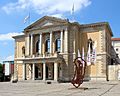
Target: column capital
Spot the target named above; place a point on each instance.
(31, 34)
(51, 32)
(66, 29)
(40, 33)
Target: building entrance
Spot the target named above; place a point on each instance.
(38, 72)
(50, 71)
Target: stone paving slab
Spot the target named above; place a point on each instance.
(59, 89)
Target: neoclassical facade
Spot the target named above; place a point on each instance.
(49, 46)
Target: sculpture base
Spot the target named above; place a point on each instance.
(81, 88)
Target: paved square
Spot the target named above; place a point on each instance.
(59, 89)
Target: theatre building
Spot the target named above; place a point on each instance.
(49, 46)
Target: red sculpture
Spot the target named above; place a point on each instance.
(80, 66)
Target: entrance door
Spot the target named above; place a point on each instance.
(46, 72)
(50, 71)
(36, 72)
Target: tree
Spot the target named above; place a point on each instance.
(0, 67)
(1, 71)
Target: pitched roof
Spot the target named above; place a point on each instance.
(66, 21)
(115, 39)
(48, 18)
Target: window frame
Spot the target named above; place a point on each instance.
(47, 46)
(57, 45)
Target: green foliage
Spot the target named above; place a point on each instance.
(0, 67)
(1, 70)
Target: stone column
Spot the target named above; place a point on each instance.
(33, 74)
(61, 38)
(51, 42)
(44, 71)
(31, 51)
(66, 41)
(55, 71)
(30, 72)
(27, 45)
(40, 44)
(23, 71)
(74, 42)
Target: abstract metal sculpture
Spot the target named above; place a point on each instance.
(80, 66)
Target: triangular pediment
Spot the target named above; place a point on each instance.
(47, 21)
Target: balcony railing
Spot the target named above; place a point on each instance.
(41, 55)
(37, 56)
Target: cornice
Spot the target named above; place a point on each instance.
(45, 27)
(18, 36)
(99, 24)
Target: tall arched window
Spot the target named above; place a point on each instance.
(23, 50)
(47, 47)
(57, 43)
(37, 46)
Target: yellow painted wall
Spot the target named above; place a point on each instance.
(20, 72)
(20, 44)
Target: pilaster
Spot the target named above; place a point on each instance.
(55, 71)
(23, 71)
(66, 41)
(61, 49)
(40, 44)
(51, 42)
(27, 45)
(33, 69)
(44, 71)
(31, 51)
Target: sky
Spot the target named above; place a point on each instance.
(13, 13)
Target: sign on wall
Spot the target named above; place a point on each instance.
(7, 68)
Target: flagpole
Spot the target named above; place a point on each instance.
(29, 18)
(72, 13)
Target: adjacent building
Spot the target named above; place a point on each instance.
(8, 70)
(116, 46)
(49, 46)
(114, 68)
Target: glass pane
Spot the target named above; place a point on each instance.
(58, 44)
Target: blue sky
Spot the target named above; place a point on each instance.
(13, 12)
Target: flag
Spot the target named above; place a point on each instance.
(27, 18)
(72, 11)
(89, 56)
(94, 56)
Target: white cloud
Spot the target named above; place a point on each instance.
(19, 5)
(58, 15)
(9, 58)
(8, 36)
(47, 7)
